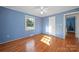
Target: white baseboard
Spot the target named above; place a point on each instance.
(17, 39)
(11, 40)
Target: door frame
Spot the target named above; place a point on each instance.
(64, 27)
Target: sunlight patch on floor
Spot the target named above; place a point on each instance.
(46, 40)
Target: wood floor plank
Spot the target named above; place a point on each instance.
(42, 43)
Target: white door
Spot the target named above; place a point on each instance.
(52, 25)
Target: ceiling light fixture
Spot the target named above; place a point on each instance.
(43, 10)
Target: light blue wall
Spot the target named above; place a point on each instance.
(59, 22)
(59, 25)
(0, 31)
(12, 25)
(45, 22)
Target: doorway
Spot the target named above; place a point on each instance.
(70, 25)
(75, 28)
(70, 29)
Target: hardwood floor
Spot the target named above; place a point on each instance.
(42, 43)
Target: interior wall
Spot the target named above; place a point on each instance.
(60, 27)
(77, 25)
(0, 31)
(45, 22)
(58, 23)
(12, 24)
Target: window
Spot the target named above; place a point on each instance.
(29, 23)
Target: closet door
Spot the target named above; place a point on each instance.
(52, 25)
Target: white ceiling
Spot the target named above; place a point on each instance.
(35, 10)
